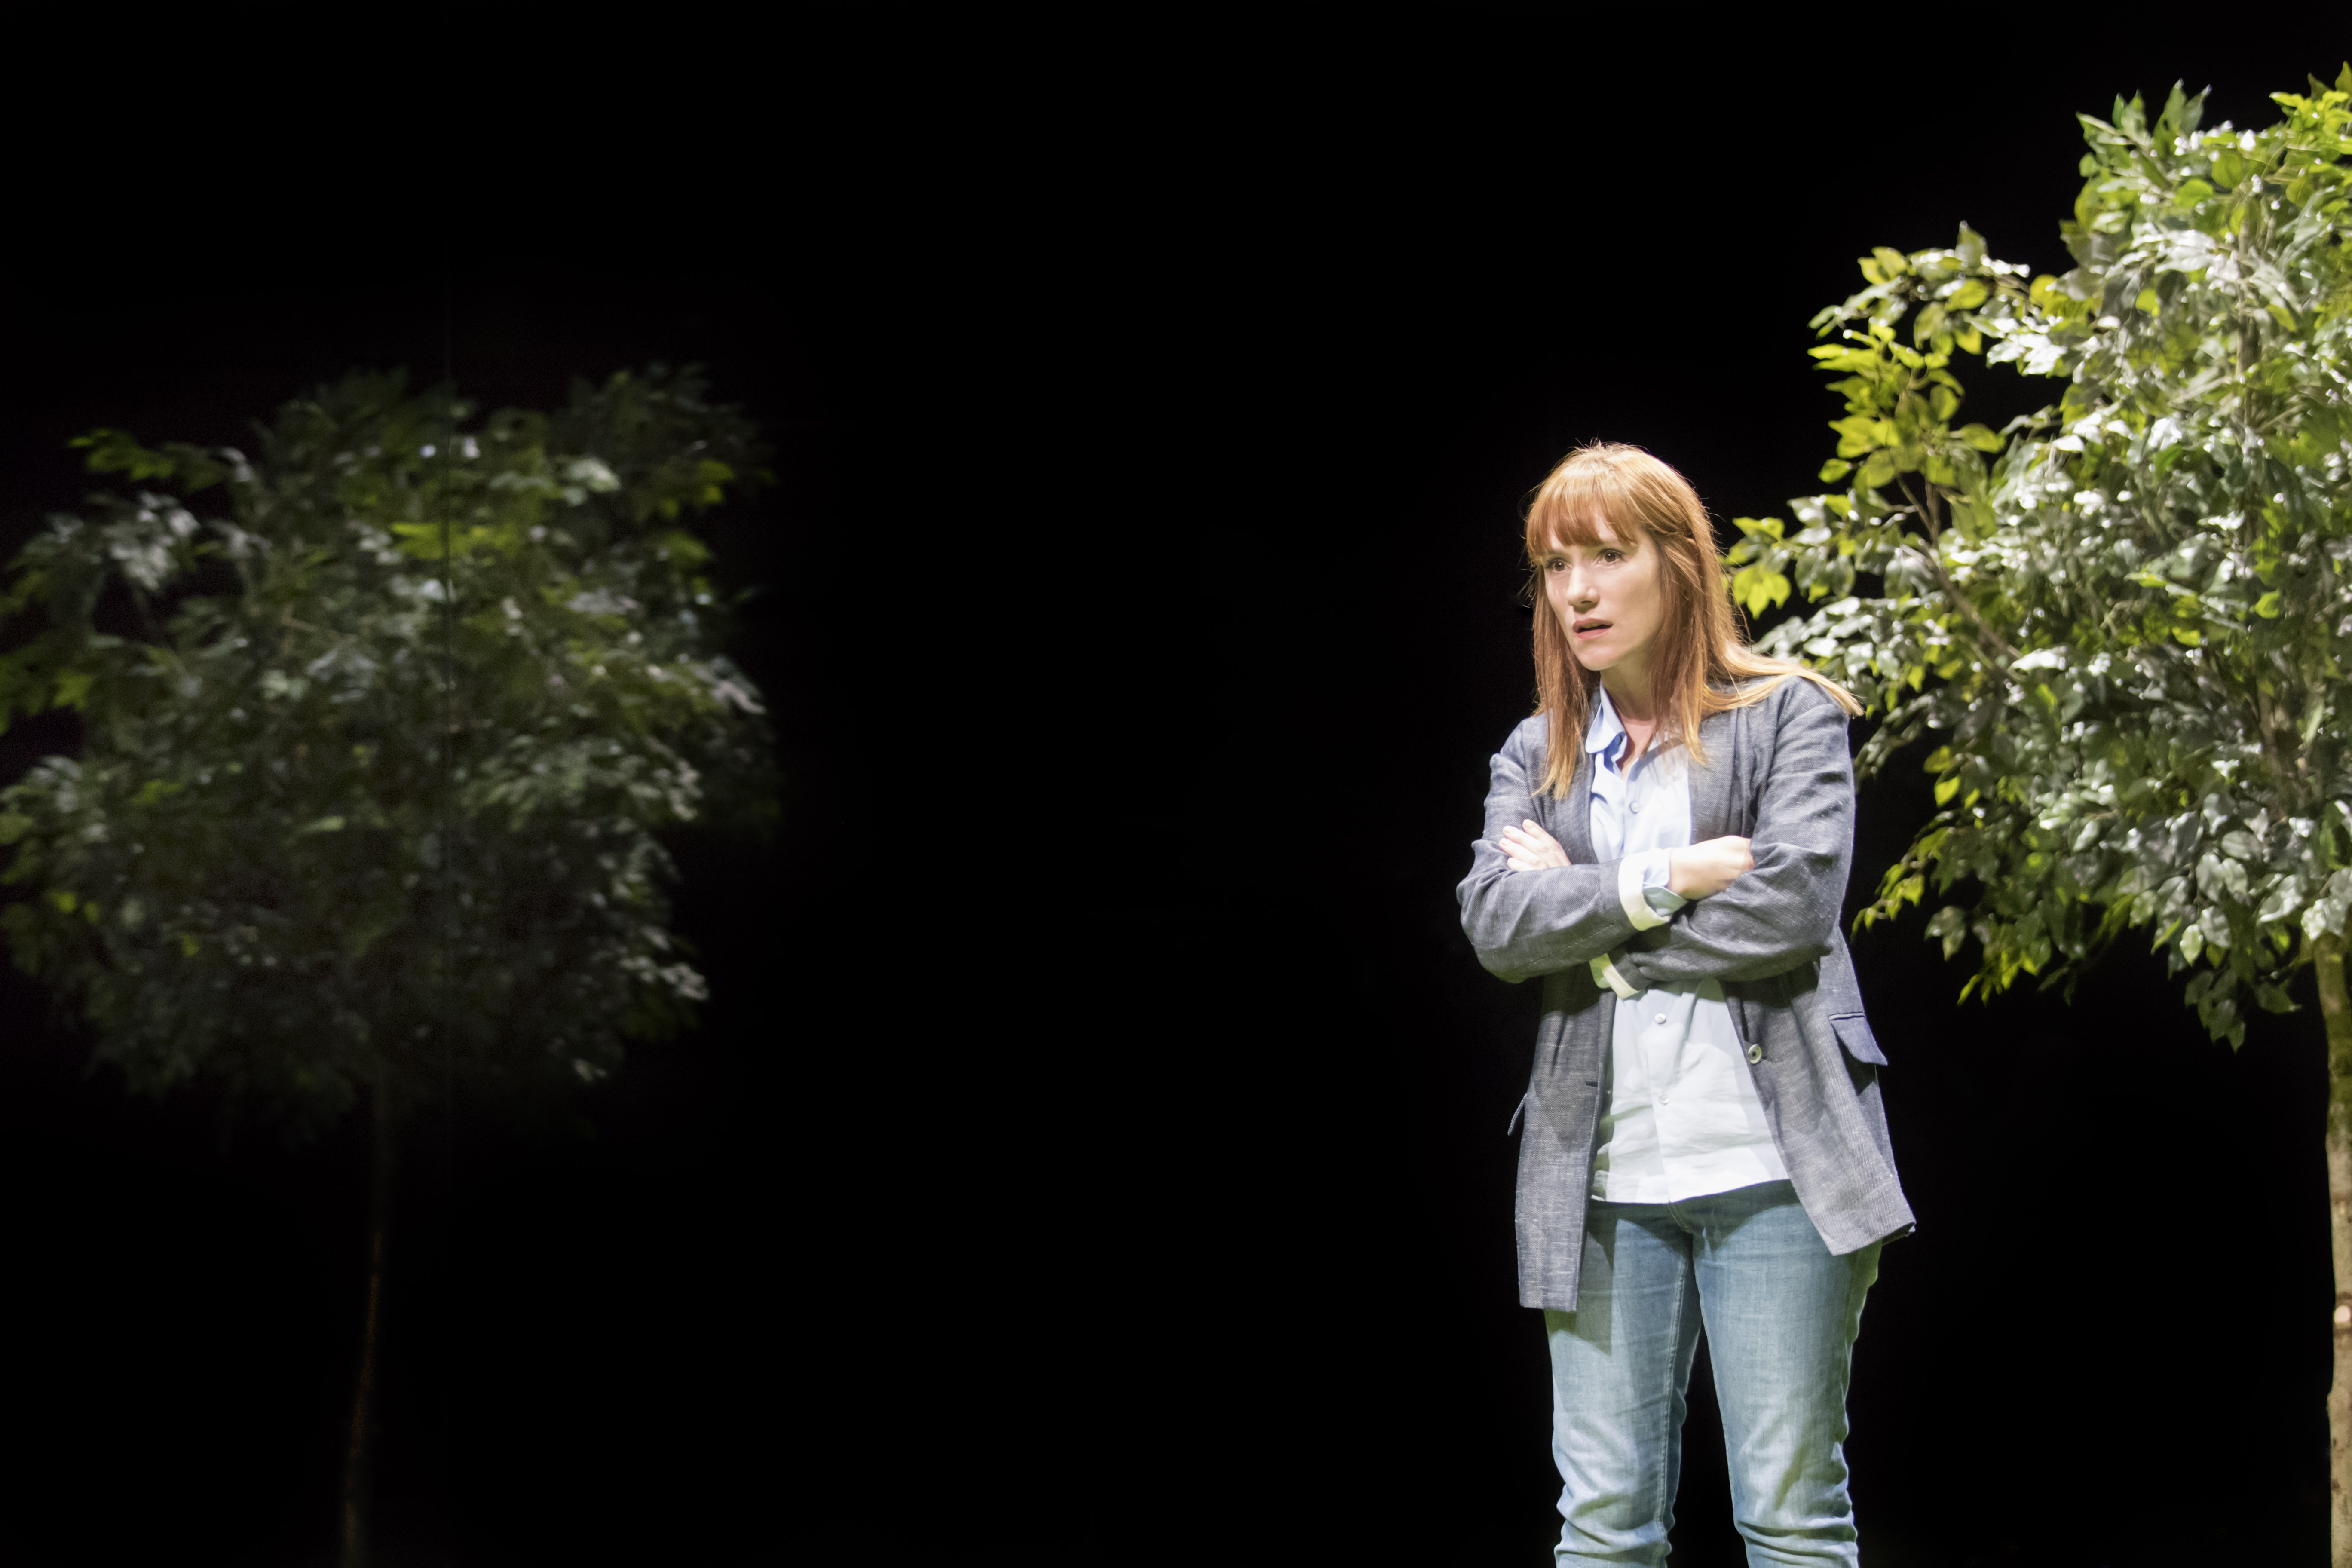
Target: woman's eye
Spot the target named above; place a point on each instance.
(1612, 556)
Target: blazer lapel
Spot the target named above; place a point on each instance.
(1571, 816)
(1711, 791)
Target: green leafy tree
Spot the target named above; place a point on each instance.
(2128, 634)
(378, 730)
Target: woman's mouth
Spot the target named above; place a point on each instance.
(1585, 631)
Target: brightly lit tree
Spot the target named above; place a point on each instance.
(2128, 637)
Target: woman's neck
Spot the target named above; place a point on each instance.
(1629, 695)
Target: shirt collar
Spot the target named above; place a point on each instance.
(1606, 734)
(1605, 730)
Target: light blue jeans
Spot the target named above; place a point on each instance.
(1780, 1315)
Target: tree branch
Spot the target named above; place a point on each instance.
(1935, 553)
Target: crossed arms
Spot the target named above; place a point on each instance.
(1528, 912)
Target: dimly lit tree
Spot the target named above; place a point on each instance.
(378, 727)
(2130, 636)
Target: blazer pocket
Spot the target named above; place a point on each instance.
(1853, 1034)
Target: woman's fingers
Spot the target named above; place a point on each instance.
(1529, 848)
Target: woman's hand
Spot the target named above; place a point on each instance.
(1528, 847)
(1708, 868)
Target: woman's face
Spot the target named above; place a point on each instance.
(1609, 603)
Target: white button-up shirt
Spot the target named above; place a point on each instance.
(1680, 1116)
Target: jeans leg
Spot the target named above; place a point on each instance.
(1621, 1365)
(1781, 1315)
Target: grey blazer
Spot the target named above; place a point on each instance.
(1777, 773)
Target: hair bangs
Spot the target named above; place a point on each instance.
(1570, 506)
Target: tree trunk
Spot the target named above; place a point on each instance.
(2335, 1007)
(358, 1457)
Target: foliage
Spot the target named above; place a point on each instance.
(293, 844)
(2129, 633)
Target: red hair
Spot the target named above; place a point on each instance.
(1700, 662)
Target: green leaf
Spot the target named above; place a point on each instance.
(114, 452)
(1951, 926)
(1978, 436)
(419, 541)
(1833, 470)
(2267, 607)
(1758, 586)
(1857, 433)
(683, 550)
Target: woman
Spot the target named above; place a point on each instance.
(1705, 1146)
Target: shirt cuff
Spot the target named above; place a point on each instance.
(1640, 878)
(1662, 898)
(1605, 973)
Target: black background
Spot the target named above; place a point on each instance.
(1094, 1149)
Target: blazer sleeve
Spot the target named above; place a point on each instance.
(1529, 924)
(1784, 912)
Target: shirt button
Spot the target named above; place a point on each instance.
(1665, 1099)
(1657, 1017)
(1635, 806)
(1755, 1053)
